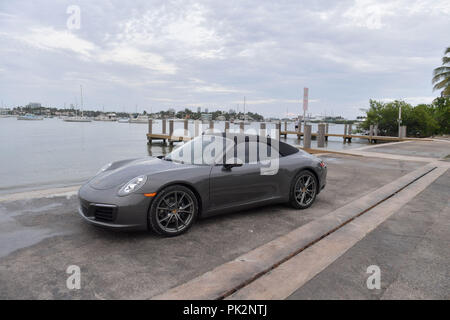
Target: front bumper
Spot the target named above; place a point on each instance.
(104, 208)
(323, 179)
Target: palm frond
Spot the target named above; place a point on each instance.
(439, 78)
(441, 70)
(439, 75)
(446, 91)
(442, 84)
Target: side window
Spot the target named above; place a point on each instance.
(235, 153)
(255, 152)
(267, 153)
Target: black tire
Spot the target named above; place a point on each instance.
(168, 213)
(303, 197)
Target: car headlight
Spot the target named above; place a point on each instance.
(104, 168)
(133, 185)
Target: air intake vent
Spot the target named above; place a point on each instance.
(104, 213)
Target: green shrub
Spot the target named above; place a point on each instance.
(421, 121)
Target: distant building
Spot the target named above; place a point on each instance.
(199, 109)
(34, 105)
(206, 110)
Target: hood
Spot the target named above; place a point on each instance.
(120, 175)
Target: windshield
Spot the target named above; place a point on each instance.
(202, 150)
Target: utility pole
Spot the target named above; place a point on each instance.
(399, 120)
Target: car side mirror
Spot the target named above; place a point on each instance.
(228, 166)
(231, 163)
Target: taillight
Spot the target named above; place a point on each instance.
(322, 164)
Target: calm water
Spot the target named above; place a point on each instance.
(51, 152)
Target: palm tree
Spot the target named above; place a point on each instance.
(441, 78)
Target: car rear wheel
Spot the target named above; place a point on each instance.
(303, 190)
(173, 211)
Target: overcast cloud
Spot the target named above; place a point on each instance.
(160, 54)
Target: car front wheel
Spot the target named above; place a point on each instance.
(173, 211)
(303, 190)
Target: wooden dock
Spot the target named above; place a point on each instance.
(167, 134)
(349, 137)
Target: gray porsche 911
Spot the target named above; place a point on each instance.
(210, 174)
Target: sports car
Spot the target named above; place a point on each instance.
(208, 175)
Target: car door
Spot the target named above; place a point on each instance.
(244, 184)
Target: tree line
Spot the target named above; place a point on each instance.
(422, 120)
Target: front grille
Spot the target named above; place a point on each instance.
(85, 210)
(104, 213)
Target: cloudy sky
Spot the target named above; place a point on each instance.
(160, 54)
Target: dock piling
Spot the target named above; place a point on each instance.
(196, 128)
(345, 133)
(278, 129)
(262, 130)
(186, 127)
(321, 136)
(349, 133)
(150, 129)
(170, 132)
(164, 122)
(307, 136)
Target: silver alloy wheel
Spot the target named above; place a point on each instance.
(305, 190)
(175, 211)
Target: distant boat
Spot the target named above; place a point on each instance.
(123, 120)
(30, 116)
(108, 117)
(139, 119)
(77, 119)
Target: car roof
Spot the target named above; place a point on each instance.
(283, 148)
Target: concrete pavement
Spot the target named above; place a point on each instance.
(411, 249)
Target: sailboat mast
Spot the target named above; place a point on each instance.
(81, 96)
